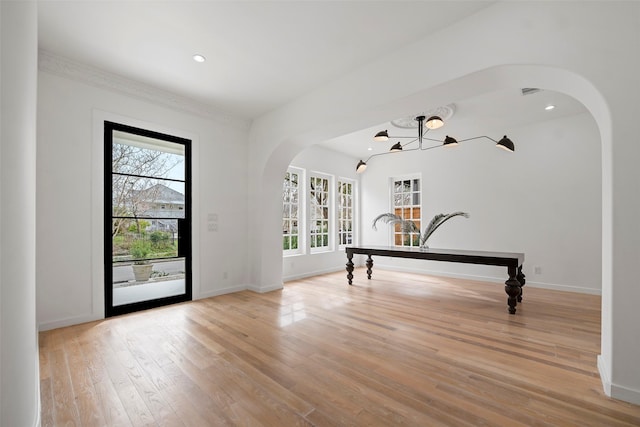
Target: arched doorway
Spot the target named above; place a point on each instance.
(269, 162)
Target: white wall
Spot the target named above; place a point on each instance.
(544, 200)
(19, 375)
(69, 195)
(318, 159)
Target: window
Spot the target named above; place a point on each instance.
(317, 212)
(319, 205)
(406, 204)
(345, 211)
(291, 211)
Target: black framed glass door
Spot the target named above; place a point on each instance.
(147, 219)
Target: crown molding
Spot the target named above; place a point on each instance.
(65, 67)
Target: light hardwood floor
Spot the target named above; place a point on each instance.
(402, 349)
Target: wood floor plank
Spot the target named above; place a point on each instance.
(209, 392)
(65, 410)
(111, 406)
(160, 409)
(85, 396)
(136, 408)
(46, 403)
(401, 349)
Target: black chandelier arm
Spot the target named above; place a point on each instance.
(372, 156)
(505, 143)
(392, 152)
(432, 146)
(410, 142)
(421, 132)
(440, 144)
(402, 137)
(478, 137)
(438, 140)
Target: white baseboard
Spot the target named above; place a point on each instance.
(530, 283)
(69, 321)
(626, 394)
(265, 289)
(564, 288)
(223, 291)
(613, 390)
(313, 273)
(76, 320)
(604, 375)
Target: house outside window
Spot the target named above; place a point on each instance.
(291, 192)
(152, 203)
(406, 202)
(319, 212)
(345, 201)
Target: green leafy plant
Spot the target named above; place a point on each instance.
(160, 240)
(139, 226)
(407, 226)
(139, 250)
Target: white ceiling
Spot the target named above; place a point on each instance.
(263, 54)
(260, 54)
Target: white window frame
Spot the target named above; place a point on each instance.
(340, 210)
(329, 200)
(392, 204)
(301, 219)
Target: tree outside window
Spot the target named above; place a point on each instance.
(319, 201)
(345, 211)
(291, 211)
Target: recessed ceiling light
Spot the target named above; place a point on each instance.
(199, 58)
(549, 107)
(370, 149)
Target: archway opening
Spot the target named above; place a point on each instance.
(268, 164)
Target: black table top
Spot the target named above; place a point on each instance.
(436, 254)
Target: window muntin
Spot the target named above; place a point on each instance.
(319, 212)
(291, 242)
(345, 201)
(406, 201)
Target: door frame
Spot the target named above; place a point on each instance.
(185, 244)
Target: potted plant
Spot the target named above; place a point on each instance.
(140, 250)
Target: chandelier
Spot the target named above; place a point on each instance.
(424, 126)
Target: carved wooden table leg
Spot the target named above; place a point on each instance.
(521, 279)
(369, 266)
(350, 267)
(513, 289)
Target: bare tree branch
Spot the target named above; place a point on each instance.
(131, 195)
